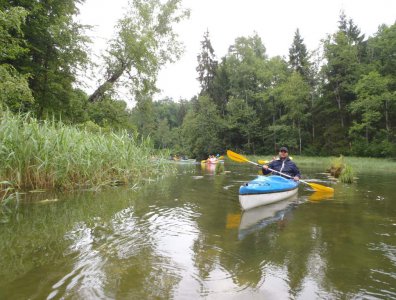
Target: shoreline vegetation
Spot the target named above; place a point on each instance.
(51, 155)
(359, 164)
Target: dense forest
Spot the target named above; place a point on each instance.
(337, 99)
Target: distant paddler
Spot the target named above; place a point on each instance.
(210, 160)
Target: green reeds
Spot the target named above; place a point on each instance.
(339, 169)
(48, 154)
(337, 166)
(347, 174)
(219, 168)
(7, 193)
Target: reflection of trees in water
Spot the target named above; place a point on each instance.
(87, 246)
(320, 250)
(331, 249)
(205, 257)
(348, 238)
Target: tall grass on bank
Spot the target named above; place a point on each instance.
(48, 154)
(359, 164)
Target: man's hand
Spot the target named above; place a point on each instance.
(296, 178)
(265, 167)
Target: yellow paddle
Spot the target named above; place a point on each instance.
(263, 162)
(315, 186)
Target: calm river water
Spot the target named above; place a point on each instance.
(184, 237)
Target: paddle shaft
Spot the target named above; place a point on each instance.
(274, 171)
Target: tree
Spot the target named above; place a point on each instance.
(342, 71)
(14, 89)
(381, 50)
(351, 31)
(12, 43)
(273, 108)
(294, 94)
(207, 65)
(220, 86)
(242, 122)
(143, 116)
(246, 68)
(144, 42)
(110, 114)
(298, 56)
(372, 103)
(56, 48)
(163, 136)
(202, 129)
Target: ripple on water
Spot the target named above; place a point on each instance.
(385, 276)
(213, 276)
(163, 235)
(86, 279)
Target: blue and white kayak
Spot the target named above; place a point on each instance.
(265, 190)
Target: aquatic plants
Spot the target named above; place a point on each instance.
(8, 196)
(7, 193)
(340, 169)
(49, 154)
(347, 174)
(337, 165)
(219, 168)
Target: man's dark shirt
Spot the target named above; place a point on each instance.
(285, 166)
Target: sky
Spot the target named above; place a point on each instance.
(275, 21)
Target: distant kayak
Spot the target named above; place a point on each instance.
(265, 190)
(187, 161)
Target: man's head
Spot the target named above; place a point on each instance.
(283, 152)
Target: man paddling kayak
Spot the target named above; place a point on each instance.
(283, 164)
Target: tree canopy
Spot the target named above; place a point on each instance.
(337, 99)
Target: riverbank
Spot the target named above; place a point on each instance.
(359, 164)
(51, 155)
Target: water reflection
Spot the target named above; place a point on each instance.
(320, 196)
(208, 168)
(185, 237)
(260, 217)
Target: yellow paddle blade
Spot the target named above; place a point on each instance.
(236, 157)
(233, 221)
(319, 196)
(320, 188)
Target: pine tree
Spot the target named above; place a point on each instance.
(352, 31)
(207, 65)
(298, 56)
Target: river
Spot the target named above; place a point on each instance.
(185, 237)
